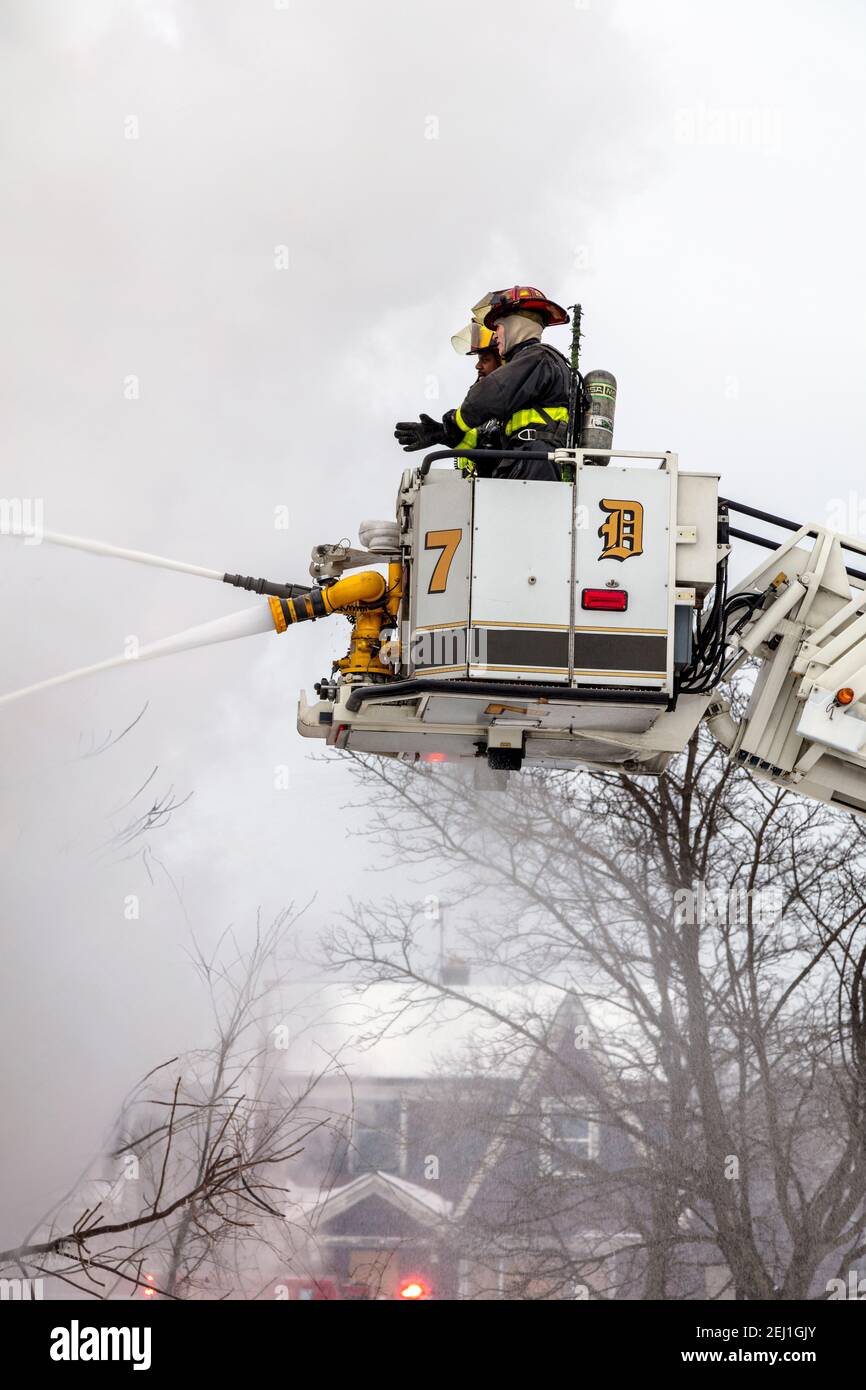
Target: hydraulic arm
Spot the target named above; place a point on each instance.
(802, 625)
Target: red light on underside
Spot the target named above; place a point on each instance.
(605, 600)
(433, 757)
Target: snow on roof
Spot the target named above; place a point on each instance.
(424, 1195)
(408, 1196)
(396, 1031)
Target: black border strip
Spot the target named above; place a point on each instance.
(428, 685)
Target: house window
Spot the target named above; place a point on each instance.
(569, 1139)
(377, 1140)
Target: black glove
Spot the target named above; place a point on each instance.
(490, 435)
(419, 434)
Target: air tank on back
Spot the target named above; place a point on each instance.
(597, 413)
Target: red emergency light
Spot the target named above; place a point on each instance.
(605, 600)
(413, 1289)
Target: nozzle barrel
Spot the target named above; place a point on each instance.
(366, 589)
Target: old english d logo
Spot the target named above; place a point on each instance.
(622, 532)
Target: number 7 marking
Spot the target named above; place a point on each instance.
(447, 542)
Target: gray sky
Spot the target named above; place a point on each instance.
(692, 173)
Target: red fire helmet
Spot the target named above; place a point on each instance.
(522, 299)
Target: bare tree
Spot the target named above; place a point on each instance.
(198, 1164)
(713, 930)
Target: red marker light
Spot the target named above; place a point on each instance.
(413, 1289)
(607, 600)
(433, 757)
(148, 1292)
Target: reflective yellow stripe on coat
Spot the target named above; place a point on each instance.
(521, 418)
(469, 441)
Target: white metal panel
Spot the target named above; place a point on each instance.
(521, 580)
(825, 722)
(441, 575)
(625, 543)
(698, 506)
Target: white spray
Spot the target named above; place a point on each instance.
(226, 629)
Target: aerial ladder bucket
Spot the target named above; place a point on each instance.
(583, 623)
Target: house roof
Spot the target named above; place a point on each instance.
(420, 1203)
(393, 1031)
(537, 1066)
